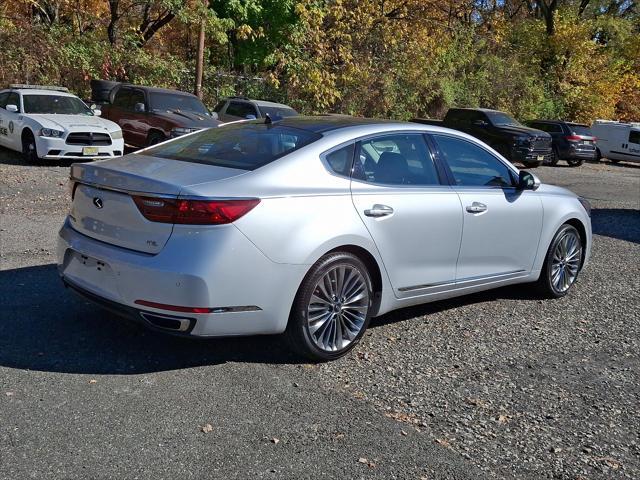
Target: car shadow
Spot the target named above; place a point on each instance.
(620, 223)
(9, 157)
(45, 327)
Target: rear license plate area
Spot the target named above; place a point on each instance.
(92, 274)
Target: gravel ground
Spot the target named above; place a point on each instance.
(495, 385)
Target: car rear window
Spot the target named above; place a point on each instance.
(277, 113)
(580, 130)
(245, 146)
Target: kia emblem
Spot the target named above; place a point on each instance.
(97, 201)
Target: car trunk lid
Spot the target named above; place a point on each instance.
(103, 206)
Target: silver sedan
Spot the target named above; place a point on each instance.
(311, 226)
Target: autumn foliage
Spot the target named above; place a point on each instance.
(577, 60)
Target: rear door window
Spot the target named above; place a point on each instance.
(399, 159)
(583, 130)
(246, 146)
(241, 109)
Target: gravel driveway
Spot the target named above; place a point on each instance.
(495, 385)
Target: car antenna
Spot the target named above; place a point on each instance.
(267, 119)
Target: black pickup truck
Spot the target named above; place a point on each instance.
(497, 129)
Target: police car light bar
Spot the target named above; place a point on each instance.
(38, 87)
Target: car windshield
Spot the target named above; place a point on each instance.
(278, 112)
(582, 130)
(56, 104)
(246, 146)
(172, 102)
(499, 118)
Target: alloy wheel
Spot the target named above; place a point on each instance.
(338, 308)
(566, 260)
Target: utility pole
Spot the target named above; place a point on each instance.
(200, 57)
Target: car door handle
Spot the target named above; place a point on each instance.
(378, 211)
(476, 207)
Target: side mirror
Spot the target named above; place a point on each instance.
(214, 115)
(12, 108)
(250, 117)
(480, 123)
(97, 112)
(139, 108)
(527, 181)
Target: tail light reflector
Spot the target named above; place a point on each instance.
(173, 308)
(194, 212)
(573, 138)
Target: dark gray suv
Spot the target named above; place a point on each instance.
(572, 142)
(241, 108)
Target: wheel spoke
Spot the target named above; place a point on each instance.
(338, 308)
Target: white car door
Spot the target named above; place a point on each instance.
(414, 219)
(4, 123)
(502, 224)
(12, 121)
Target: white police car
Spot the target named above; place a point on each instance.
(49, 123)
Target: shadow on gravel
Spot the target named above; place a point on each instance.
(620, 223)
(9, 157)
(45, 327)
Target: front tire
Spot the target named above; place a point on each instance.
(562, 263)
(155, 138)
(29, 150)
(332, 308)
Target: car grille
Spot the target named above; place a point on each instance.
(88, 138)
(541, 143)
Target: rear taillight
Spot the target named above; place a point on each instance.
(193, 212)
(573, 138)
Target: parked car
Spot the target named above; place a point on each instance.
(617, 141)
(241, 108)
(149, 115)
(572, 142)
(49, 123)
(499, 130)
(311, 226)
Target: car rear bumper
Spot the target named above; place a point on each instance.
(234, 288)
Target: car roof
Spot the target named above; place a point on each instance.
(485, 110)
(326, 123)
(157, 89)
(38, 91)
(260, 103)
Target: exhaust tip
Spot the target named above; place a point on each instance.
(173, 324)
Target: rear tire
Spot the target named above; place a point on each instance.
(29, 150)
(555, 157)
(575, 162)
(598, 155)
(332, 308)
(562, 263)
(614, 161)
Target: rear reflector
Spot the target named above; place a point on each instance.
(194, 212)
(573, 138)
(173, 308)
